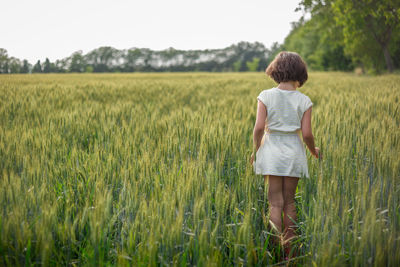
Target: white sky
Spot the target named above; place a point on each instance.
(36, 29)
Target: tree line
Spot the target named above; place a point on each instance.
(243, 56)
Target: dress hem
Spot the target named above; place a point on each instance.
(280, 174)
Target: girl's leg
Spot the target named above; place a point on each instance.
(289, 208)
(276, 201)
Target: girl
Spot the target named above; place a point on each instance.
(280, 154)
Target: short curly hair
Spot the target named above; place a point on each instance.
(288, 66)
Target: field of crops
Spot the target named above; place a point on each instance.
(152, 169)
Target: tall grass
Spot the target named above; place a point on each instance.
(152, 169)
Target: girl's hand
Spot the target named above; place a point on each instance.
(317, 154)
(252, 158)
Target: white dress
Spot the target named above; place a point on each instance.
(282, 151)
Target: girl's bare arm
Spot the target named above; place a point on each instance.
(259, 126)
(306, 131)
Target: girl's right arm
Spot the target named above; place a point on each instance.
(306, 131)
(258, 131)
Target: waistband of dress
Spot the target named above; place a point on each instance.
(274, 132)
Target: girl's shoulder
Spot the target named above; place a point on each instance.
(268, 91)
(304, 96)
(265, 96)
(305, 101)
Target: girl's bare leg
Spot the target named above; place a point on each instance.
(276, 201)
(289, 209)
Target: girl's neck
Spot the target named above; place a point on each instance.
(290, 86)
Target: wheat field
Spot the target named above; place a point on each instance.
(152, 170)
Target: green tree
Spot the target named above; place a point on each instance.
(25, 66)
(274, 50)
(14, 65)
(78, 63)
(89, 69)
(47, 66)
(236, 65)
(320, 42)
(37, 68)
(3, 61)
(131, 59)
(61, 65)
(364, 19)
(253, 65)
(102, 59)
(367, 26)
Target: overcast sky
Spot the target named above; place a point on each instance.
(36, 29)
